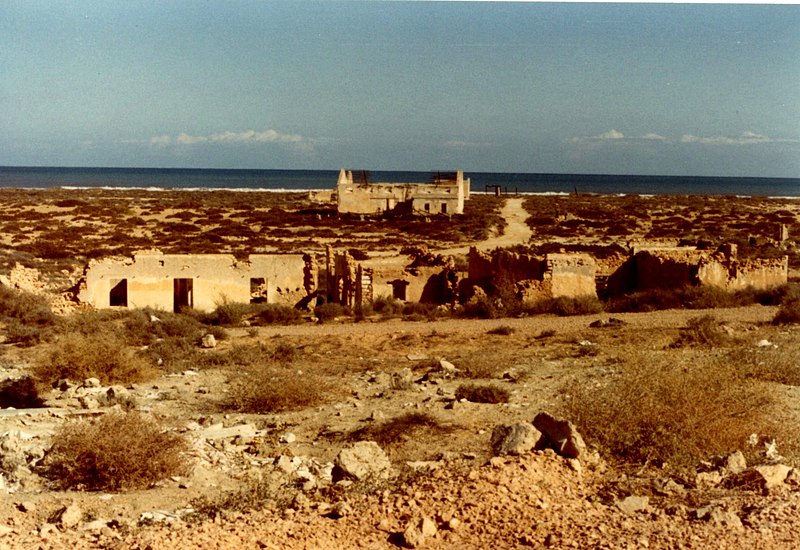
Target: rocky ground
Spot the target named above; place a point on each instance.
(441, 487)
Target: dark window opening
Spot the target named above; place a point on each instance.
(399, 287)
(258, 290)
(444, 208)
(427, 207)
(118, 297)
(183, 293)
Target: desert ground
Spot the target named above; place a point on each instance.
(688, 418)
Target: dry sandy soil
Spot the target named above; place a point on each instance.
(444, 472)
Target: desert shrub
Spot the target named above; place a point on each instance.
(101, 356)
(277, 314)
(25, 307)
(26, 335)
(117, 451)
(647, 300)
(772, 364)
(266, 490)
(172, 353)
(217, 332)
(422, 311)
(789, 310)
(702, 331)
(480, 367)
(228, 313)
(565, 306)
(482, 307)
(482, 393)
(670, 412)
(330, 311)
(502, 330)
(262, 389)
(20, 394)
(284, 353)
(400, 429)
(177, 325)
(387, 306)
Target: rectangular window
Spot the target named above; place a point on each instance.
(258, 290)
(427, 207)
(444, 208)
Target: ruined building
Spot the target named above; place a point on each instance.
(676, 267)
(198, 281)
(444, 195)
(533, 278)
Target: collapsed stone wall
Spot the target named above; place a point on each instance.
(679, 267)
(347, 282)
(533, 278)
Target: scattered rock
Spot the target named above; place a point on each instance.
(91, 383)
(418, 531)
(288, 438)
(340, 510)
(559, 435)
(514, 439)
(762, 477)
(208, 341)
(403, 380)
(632, 504)
(363, 460)
(67, 517)
(714, 514)
(89, 402)
(447, 367)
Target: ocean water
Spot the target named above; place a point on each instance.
(296, 180)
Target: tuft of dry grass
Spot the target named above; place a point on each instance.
(397, 431)
(482, 393)
(702, 331)
(502, 330)
(116, 452)
(669, 412)
(260, 389)
(101, 356)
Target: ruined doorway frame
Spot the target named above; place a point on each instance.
(118, 294)
(182, 294)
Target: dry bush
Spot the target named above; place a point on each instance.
(276, 314)
(702, 331)
(502, 330)
(330, 311)
(780, 365)
(789, 310)
(117, 451)
(173, 354)
(260, 389)
(270, 491)
(480, 367)
(482, 393)
(565, 306)
(27, 308)
(670, 412)
(103, 356)
(397, 431)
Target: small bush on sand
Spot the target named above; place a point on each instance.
(228, 314)
(330, 311)
(502, 330)
(277, 314)
(263, 389)
(26, 335)
(482, 393)
(397, 431)
(789, 310)
(101, 356)
(671, 413)
(173, 354)
(117, 451)
(25, 307)
(564, 306)
(702, 331)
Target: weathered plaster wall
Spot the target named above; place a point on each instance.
(571, 275)
(372, 198)
(215, 277)
(732, 274)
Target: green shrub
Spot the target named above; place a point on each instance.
(25, 307)
(789, 310)
(702, 331)
(115, 452)
(565, 306)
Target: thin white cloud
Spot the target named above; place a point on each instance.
(745, 138)
(247, 136)
(654, 137)
(456, 144)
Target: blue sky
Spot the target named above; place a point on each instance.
(508, 87)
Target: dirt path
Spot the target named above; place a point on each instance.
(516, 230)
(672, 318)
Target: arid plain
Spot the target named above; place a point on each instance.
(663, 399)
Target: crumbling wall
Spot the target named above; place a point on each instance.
(679, 267)
(150, 279)
(571, 275)
(348, 283)
(533, 278)
(734, 274)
